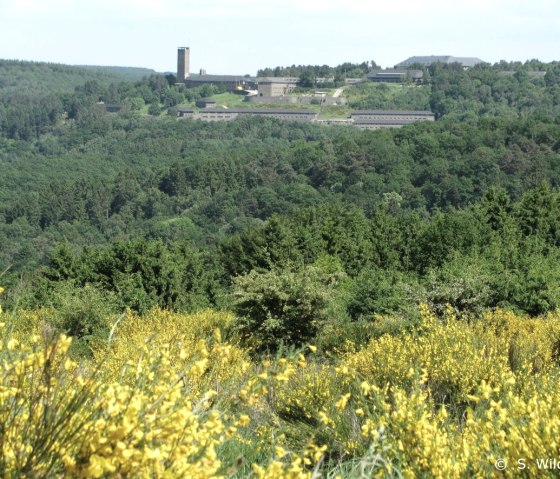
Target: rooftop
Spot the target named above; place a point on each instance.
(389, 72)
(277, 79)
(431, 59)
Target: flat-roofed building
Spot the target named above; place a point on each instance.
(378, 124)
(375, 119)
(295, 114)
(395, 76)
(353, 81)
(422, 115)
(206, 103)
(276, 86)
(223, 114)
(185, 112)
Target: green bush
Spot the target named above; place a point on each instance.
(84, 313)
(285, 307)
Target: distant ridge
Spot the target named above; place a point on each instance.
(31, 77)
(127, 73)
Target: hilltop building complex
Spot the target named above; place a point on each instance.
(273, 89)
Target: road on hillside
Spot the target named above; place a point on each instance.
(337, 92)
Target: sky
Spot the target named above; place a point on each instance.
(242, 36)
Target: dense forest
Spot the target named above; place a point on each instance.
(277, 262)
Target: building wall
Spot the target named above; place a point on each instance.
(183, 64)
(185, 113)
(388, 79)
(395, 76)
(265, 89)
(371, 126)
(222, 115)
(409, 116)
(225, 115)
(274, 89)
(205, 104)
(286, 116)
(370, 121)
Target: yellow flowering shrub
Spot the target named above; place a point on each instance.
(58, 421)
(185, 342)
(166, 396)
(453, 357)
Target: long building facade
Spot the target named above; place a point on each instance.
(396, 76)
(367, 119)
(275, 86)
(223, 114)
(376, 119)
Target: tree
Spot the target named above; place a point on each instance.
(154, 109)
(307, 79)
(284, 307)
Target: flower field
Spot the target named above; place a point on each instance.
(176, 395)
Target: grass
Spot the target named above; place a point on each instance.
(231, 100)
(332, 111)
(387, 96)
(383, 92)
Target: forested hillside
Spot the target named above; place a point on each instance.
(316, 300)
(41, 78)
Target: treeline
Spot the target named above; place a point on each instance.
(488, 91)
(501, 90)
(338, 73)
(41, 78)
(331, 263)
(171, 179)
(28, 114)
(74, 175)
(449, 91)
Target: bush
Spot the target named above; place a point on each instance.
(463, 284)
(85, 313)
(376, 291)
(284, 307)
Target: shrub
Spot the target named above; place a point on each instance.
(284, 307)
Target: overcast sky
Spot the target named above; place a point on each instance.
(241, 36)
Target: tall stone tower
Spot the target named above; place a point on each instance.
(183, 60)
